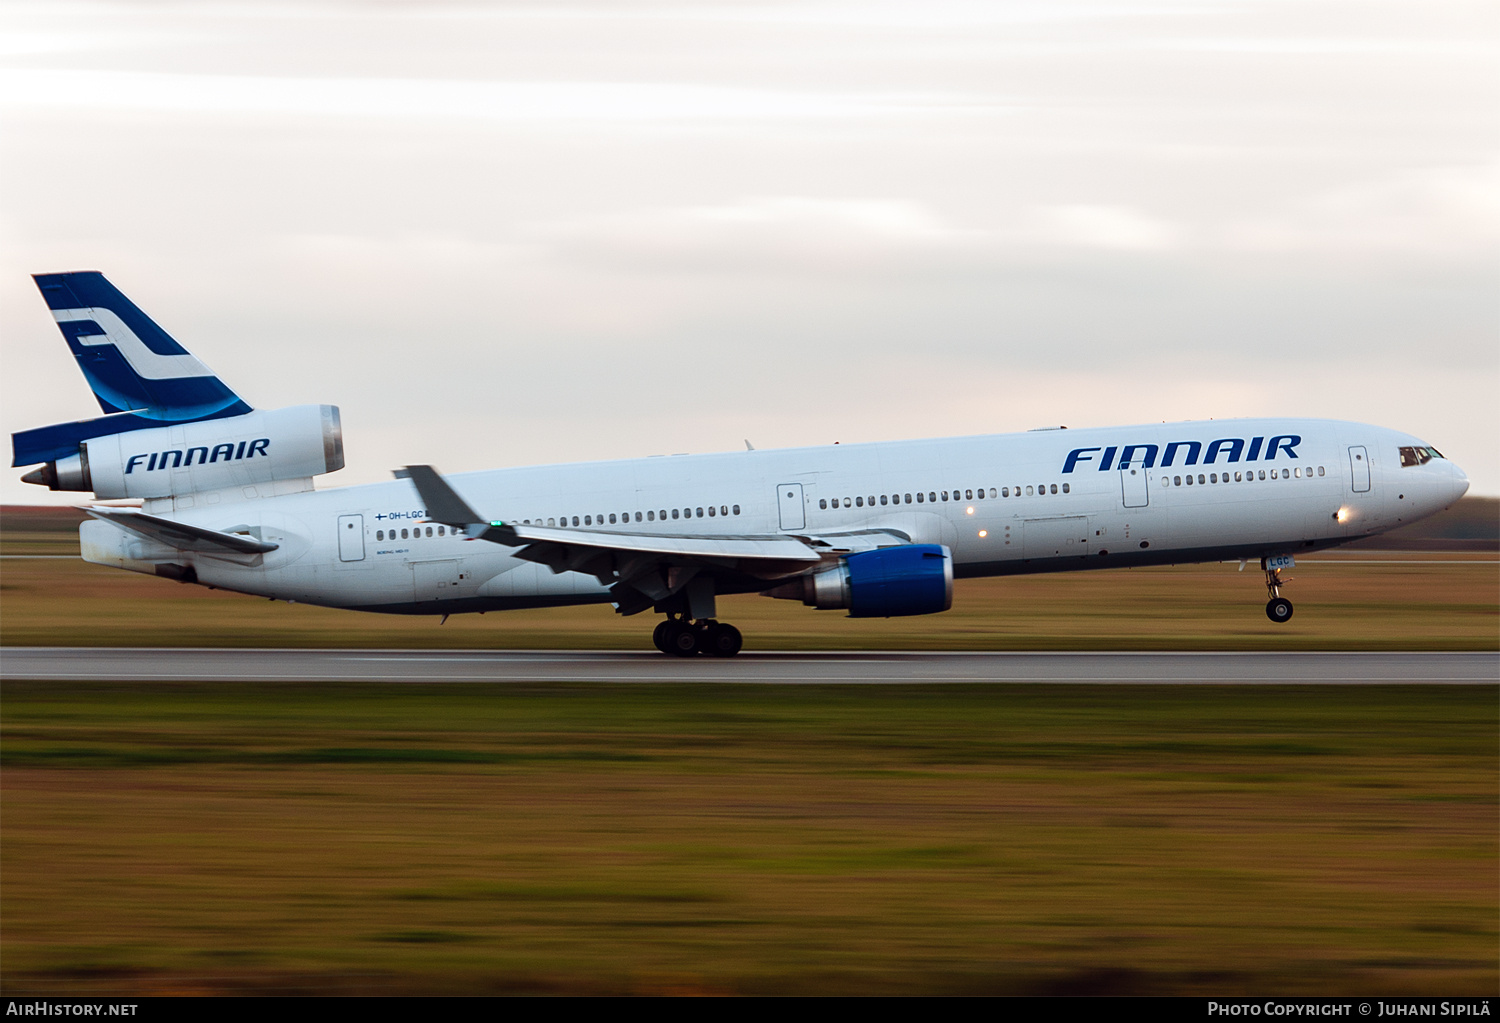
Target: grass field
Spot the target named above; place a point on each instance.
(214, 838)
(472, 839)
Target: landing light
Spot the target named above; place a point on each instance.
(984, 533)
(1342, 515)
(969, 510)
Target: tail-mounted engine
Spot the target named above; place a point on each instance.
(892, 582)
(259, 447)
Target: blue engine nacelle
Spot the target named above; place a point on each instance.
(891, 582)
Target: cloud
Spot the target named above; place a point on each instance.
(1117, 228)
(1434, 211)
(540, 102)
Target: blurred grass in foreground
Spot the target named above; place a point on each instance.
(203, 837)
(1341, 603)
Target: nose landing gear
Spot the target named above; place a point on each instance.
(1278, 608)
(684, 638)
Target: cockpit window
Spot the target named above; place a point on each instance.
(1418, 456)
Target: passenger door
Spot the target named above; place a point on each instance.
(789, 503)
(1359, 470)
(1133, 489)
(351, 537)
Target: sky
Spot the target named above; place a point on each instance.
(513, 233)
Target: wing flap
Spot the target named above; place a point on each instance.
(726, 547)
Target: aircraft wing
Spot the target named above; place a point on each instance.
(640, 568)
(181, 535)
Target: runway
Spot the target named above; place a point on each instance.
(114, 664)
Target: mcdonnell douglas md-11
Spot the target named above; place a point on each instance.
(877, 530)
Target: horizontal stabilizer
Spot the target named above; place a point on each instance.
(179, 534)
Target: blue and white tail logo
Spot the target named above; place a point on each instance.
(142, 378)
(131, 364)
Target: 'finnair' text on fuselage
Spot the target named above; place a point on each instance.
(1144, 455)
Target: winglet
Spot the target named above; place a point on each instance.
(443, 503)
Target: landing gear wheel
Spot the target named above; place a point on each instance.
(722, 640)
(1279, 609)
(681, 639)
(659, 635)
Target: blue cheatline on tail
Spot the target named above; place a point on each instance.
(141, 377)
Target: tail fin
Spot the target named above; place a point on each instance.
(131, 364)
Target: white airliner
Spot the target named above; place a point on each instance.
(878, 530)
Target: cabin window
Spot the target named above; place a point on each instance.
(1028, 492)
(1054, 488)
(1273, 474)
(650, 516)
(1200, 478)
(1005, 491)
(588, 520)
(440, 531)
(712, 511)
(700, 513)
(380, 534)
(848, 502)
(1297, 472)
(945, 495)
(662, 515)
(403, 534)
(611, 518)
(968, 495)
(1263, 474)
(1320, 470)
(859, 502)
(992, 491)
(1188, 480)
(932, 497)
(908, 499)
(823, 503)
(736, 509)
(882, 499)
(674, 513)
(1066, 488)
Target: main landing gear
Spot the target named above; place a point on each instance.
(677, 635)
(1278, 608)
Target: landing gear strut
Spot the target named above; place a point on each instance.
(684, 638)
(1278, 608)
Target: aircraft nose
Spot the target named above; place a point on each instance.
(1458, 483)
